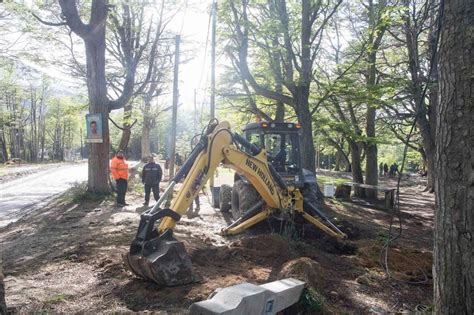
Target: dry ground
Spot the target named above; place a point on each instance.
(67, 257)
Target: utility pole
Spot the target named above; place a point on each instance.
(213, 73)
(175, 107)
(213, 61)
(194, 115)
(82, 154)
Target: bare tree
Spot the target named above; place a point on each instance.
(101, 102)
(376, 31)
(134, 44)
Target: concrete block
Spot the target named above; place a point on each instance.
(283, 293)
(243, 298)
(247, 298)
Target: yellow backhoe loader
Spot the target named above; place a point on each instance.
(269, 181)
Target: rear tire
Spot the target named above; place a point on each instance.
(225, 198)
(244, 196)
(312, 194)
(235, 202)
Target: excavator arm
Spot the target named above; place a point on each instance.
(216, 149)
(157, 256)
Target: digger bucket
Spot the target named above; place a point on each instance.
(159, 258)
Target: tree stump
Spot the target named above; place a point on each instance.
(343, 191)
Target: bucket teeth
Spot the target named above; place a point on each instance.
(163, 261)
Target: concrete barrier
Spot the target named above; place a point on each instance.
(247, 298)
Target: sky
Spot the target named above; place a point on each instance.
(193, 24)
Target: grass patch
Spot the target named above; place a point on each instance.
(311, 302)
(291, 232)
(78, 193)
(322, 179)
(58, 298)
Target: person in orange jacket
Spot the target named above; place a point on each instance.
(119, 169)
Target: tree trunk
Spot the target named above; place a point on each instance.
(127, 127)
(98, 104)
(356, 168)
(454, 219)
(430, 167)
(148, 121)
(280, 112)
(371, 165)
(375, 13)
(3, 147)
(433, 97)
(423, 121)
(42, 127)
(304, 117)
(145, 140)
(337, 166)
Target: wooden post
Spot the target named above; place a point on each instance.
(194, 115)
(82, 154)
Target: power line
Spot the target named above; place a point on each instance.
(205, 49)
(184, 17)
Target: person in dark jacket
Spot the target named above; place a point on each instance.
(151, 178)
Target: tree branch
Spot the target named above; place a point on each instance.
(48, 23)
(73, 20)
(123, 128)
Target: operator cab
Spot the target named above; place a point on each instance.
(281, 141)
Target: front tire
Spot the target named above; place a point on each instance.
(225, 198)
(244, 196)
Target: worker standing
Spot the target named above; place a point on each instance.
(119, 169)
(151, 178)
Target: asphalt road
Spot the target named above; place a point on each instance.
(27, 193)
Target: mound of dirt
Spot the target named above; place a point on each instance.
(352, 231)
(266, 242)
(409, 264)
(304, 269)
(268, 249)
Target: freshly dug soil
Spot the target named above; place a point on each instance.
(304, 269)
(67, 258)
(405, 264)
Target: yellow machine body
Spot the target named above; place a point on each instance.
(156, 256)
